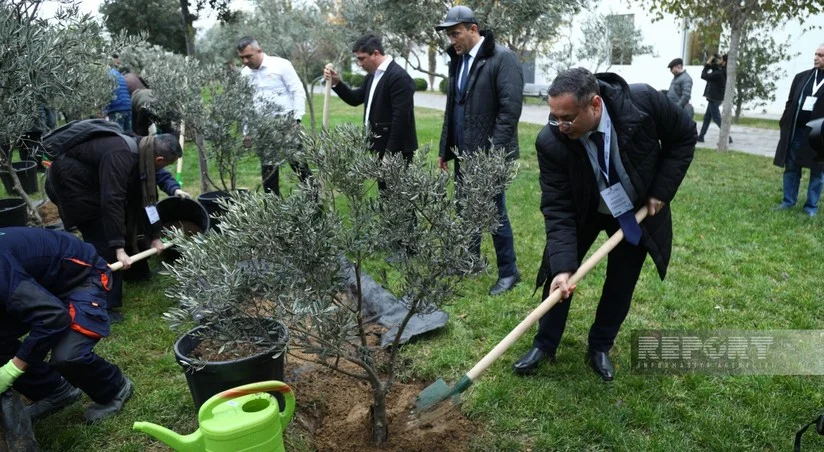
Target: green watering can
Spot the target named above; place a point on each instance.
(245, 418)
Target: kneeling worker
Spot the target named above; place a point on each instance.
(53, 287)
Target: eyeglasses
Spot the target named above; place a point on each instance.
(554, 121)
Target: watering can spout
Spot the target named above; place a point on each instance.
(183, 443)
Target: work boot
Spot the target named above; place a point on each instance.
(98, 412)
(63, 396)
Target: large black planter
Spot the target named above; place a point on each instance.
(173, 210)
(206, 379)
(209, 201)
(13, 212)
(26, 172)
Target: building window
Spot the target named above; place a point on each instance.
(702, 42)
(619, 28)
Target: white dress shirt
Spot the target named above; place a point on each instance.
(277, 81)
(376, 78)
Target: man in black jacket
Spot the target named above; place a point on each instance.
(387, 95)
(633, 147)
(53, 291)
(483, 106)
(794, 152)
(109, 193)
(715, 73)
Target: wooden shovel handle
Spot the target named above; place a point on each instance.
(139, 256)
(550, 301)
(326, 95)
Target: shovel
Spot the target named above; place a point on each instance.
(326, 95)
(140, 256)
(439, 391)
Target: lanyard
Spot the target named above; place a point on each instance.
(816, 83)
(607, 139)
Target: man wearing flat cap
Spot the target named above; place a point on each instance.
(483, 106)
(680, 89)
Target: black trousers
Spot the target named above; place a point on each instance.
(72, 358)
(623, 268)
(270, 175)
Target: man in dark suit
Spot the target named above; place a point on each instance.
(483, 106)
(387, 97)
(794, 152)
(631, 145)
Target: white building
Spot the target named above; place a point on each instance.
(671, 38)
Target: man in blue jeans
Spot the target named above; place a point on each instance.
(53, 292)
(794, 151)
(715, 73)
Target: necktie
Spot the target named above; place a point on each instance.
(464, 74)
(632, 232)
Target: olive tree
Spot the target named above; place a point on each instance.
(59, 62)
(288, 257)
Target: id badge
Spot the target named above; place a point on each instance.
(809, 101)
(151, 212)
(616, 200)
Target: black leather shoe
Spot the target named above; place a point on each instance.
(504, 284)
(600, 363)
(529, 363)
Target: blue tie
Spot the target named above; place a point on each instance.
(632, 232)
(464, 74)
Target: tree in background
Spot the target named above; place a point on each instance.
(735, 16)
(759, 68)
(610, 39)
(188, 14)
(158, 19)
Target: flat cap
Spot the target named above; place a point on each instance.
(457, 15)
(675, 62)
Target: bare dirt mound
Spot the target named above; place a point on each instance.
(333, 412)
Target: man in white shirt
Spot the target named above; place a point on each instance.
(275, 80)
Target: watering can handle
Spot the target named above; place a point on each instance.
(254, 388)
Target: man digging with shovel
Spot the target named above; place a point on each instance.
(609, 149)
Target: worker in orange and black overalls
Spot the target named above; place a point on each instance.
(53, 288)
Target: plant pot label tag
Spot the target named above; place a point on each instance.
(151, 212)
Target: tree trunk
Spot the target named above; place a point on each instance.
(19, 189)
(310, 101)
(204, 164)
(729, 92)
(433, 64)
(380, 432)
(188, 27)
(738, 107)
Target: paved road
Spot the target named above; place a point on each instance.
(751, 140)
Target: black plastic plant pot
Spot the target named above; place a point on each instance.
(183, 213)
(26, 172)
(206, 379)
(13, 212)
(209, 201)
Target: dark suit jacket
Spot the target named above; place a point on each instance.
(657, 142)
(806, 155)
(392, 116)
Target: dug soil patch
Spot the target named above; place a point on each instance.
(333, 413)
(48, 212)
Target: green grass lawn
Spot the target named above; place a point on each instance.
(736, 265)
